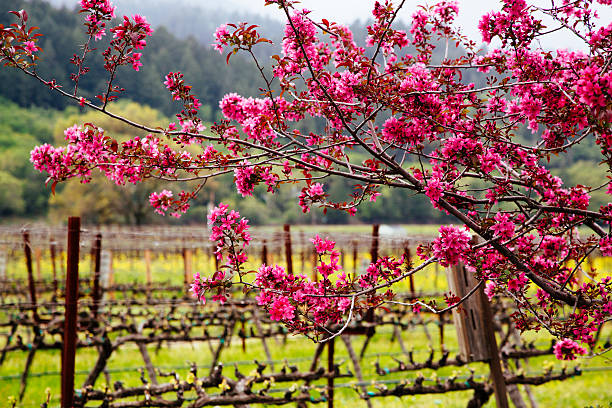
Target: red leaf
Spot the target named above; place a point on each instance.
(53, 187)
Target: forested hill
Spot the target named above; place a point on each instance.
(63, 31)
(193, 18)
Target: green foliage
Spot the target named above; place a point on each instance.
(24, 192)
(11, 194)
(63, 31)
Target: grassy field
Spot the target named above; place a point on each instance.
(590, 389)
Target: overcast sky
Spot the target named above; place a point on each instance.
(346, 11)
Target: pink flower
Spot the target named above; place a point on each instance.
(434, 190)
(567, 349)
(245, 179)
(281, 309)
(605, 245)
(30, 47)
(504, 228)
(136, 64)
(311, 195)
(161, 201)
(490, 290)
(221, 37)
(451, 244)
(517, 284)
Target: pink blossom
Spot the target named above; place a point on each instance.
(30, 47)
(567, 349)
(503, 228)
(518, 283)
(221, 37)
(489, 290)
(451, 244)
(434, 190)
(605, 245)
(136, 64)
(281, 309)
(311, 195)
(244, 178)
(161, 201)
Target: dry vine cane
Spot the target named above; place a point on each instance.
(436, 136)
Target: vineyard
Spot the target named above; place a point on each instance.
(141, 340)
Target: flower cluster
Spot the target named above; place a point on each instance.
(98, 13)
(231, 234)
(161, 201)
(18, 42)
(306, 305)
(514, 24)
(568, 349)
(310, 195)
(451, 245)
(188, 117)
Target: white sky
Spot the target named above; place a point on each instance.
(346, 11)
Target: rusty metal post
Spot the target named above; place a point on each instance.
(70, 317)
(97, 292)
(288, 254)
(31, 284)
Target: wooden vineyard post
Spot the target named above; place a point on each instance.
(315, 258)
(147, 259)
(70, 317)
(3, 262)
(107, 271)
(31, 285)
(97, 292)
(264, 253)
(369, 316)
(37, 257)
(354, 258)
(188, 277)
(302, 251)
(52, 249)
(288, 254)
(475, 328)
(331, 371)
(408, 258)
(375, 243)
